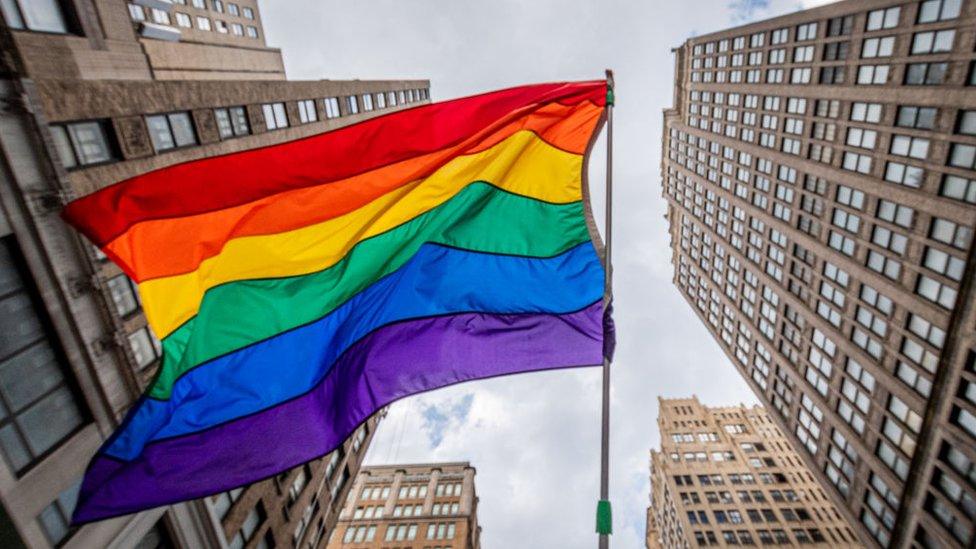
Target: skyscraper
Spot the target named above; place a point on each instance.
(93, 92)
(819, 173)
(728, 476)
(430, 505)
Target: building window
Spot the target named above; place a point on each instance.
(367, 101)
(232, 9)
(252, 31)
(136, 12)
(248, 13)
(35, 15)
(306, 111)
(237, 29)
(203, 23)
(199, 4)
(933, 42)
(218, 6)
(55, 519)
(183, 20)
(251, 524)
(160, 17)
(352, 106)
(883, 19)
(872, 74)
(171, 131)
(832, 75)
(224, 501)
(963, 156)
(231, 122)
(959, 188)
(807, 31)
(836, 51)
(920, 118)
(878, 47)
(938, 10)
(84, 143)
(912, 147)
(925, 74)
(123, 293)
(332, 107)
(221, 26)
(275, 116)
(145, 347)
(840, 26)
(381, 100)
(41, 409)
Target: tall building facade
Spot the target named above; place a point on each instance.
(93, 92)
(418, 506)
(728, 476)
(819, 174)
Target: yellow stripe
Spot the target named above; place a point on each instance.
(522, 164)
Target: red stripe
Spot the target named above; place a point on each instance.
(219, 182)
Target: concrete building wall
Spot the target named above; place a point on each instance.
(430, 505)
(64, 302)
(808, 202)
(728, 477)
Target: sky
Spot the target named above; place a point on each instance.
(535, 438)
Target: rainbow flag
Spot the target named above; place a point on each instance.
(299, 288)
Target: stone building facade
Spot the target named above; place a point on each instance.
(729, 477)
(93, 92)
(820, 173)
(417, 506)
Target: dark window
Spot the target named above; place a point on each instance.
(836, 51)
(352, 106)
(84, 143)
(171, 131)
(38, 408)
(840, 26)
(922, 118)
(36, 15)
(55, 519)
(925, 74)
(832, 75)
(232, 122)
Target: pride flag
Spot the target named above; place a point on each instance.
(299, 288)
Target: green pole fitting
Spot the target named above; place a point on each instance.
(604, 520)
(610, 96)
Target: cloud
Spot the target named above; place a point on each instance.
(439, 416)
(744, 11)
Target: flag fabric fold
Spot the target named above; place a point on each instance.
(299, 288)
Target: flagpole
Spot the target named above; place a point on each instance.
(603, 514)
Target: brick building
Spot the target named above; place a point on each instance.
(820, 173)
(727, 476)
(418, 506)
(92, 92)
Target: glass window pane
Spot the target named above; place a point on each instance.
(63, 146)
(223, 123)
(50, 420)
(13, 447)
(43, 15)
(54, 524)
(239, 121)
(159, 133)
(28, 375)
(90, 141)
(142, 347)
(182, 129)
(19, 325)
(9, 276)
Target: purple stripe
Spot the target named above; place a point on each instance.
(393, 362)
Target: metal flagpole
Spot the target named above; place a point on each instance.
(603, 513)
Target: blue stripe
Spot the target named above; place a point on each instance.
(436, 281)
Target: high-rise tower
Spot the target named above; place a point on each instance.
(820, 172)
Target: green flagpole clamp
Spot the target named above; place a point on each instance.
(604, 520)
(610, 96)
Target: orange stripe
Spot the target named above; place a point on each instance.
(159, 248)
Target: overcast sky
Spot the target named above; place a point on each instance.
(534, 438)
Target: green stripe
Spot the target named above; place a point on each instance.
(481, 218)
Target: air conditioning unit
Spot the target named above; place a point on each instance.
(159, 32)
